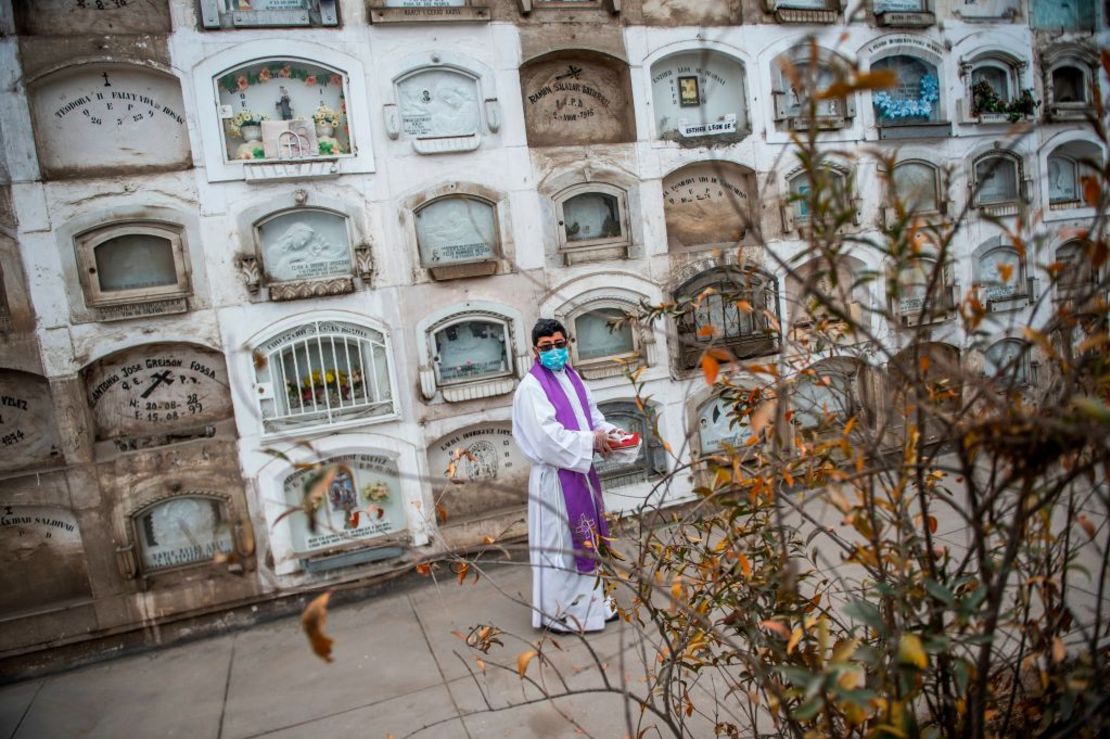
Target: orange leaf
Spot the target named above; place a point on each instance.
(795, 637)
(488, 540)
(744, 306)
(777, 627)
(441, 514)
(424, 569)
(709, 367)
(676, 588)
(461, 569)
(312, 621)
(353, 521)
(932, 525)
(523, 660)
(745, 565)
(1088, 527)
(1092, 193)
(1059, 653)
(1005, 271)
(705, 331)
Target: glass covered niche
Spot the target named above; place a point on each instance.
(915, 96)
(591, 216)
(994, 266)
(597, 337)
(183, 531)
(283, 109)
(456, 230)
(716, 429)
(472, 350)
(916, 186)
(135, 261)
(996, 180)
(305, 244)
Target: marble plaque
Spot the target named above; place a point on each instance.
(1063, 184)
(305, 244)
(27, 431)
(988, 9)
(362, 503)
(490, 473)
(996, 180)
(471, 350)
(101, 118)
(439, 103)
(698, 94)
(707, 204)
(456, 230)
(577, 99)
(182, 531)
(157, 389)
(44, 560)
(900, 6)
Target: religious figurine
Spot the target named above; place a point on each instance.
(284, 105)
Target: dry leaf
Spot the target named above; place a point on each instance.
(424, 569)
(1005, 271)
(795, 637)
(709, 367)
(523, 660)
(912, 652)
(1086, 524)
(1092, 193)
(777, 627)
(705, 332)
(1059, 653)
(745, 566)
(312, 620)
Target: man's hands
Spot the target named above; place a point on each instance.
(602, 443)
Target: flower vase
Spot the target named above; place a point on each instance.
(252, 142)
(325, 130)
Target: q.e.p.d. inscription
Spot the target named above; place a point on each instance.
(157, 389)
(707, 204)
(577, 99)
(109, 117)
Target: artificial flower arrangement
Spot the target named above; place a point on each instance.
(375, 492)
(280, 71)
(325, 116)
(892, 108)
(244, 118)
(325, 386)
(985, 100)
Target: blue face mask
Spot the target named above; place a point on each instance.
(555, 359)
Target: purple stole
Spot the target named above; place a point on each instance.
(584, 507)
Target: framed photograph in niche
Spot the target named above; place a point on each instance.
(130, 270)
(457, 236)
(283, 109)
(688, 94)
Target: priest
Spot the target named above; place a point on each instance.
(558, 427)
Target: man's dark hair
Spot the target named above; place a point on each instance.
(546, 327)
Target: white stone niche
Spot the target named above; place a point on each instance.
(477, 349)
(313, 101)
(442, 103)
(700, 98)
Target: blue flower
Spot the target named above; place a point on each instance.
(892, 108)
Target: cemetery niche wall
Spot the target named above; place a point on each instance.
(28, 433)
(577, 97)
(97, 119)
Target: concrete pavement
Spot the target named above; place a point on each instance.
(398, 671)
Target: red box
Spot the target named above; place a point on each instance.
(625, 442)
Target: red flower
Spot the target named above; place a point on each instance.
(242, 82)
(285, 72)
(264, 74)
(310, 80)
(335, 79)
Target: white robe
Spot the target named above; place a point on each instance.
(558, 589)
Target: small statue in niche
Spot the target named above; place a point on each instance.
(284, 105)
